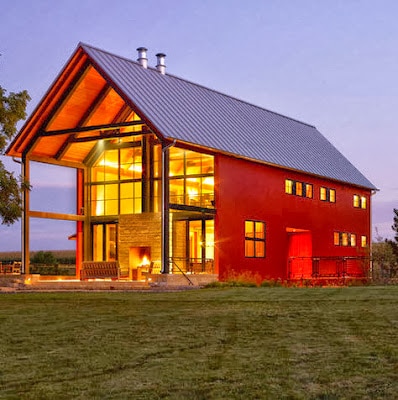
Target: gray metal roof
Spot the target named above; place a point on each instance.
(185, 111)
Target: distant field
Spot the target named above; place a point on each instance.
(16, 255)
(241, 343)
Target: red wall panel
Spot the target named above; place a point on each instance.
(251, 191)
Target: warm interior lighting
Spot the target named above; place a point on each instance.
(145, 261)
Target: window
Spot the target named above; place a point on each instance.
(356, 202)
(116, 181)
(191, 178)
(297, 188)
(288, 186)
(364, 241)
(327, 194)
(359, 201)
(254, 239)
(344, 239)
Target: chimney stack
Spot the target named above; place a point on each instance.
(161, 66)
(142, 56)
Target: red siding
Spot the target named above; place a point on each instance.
(251, 191)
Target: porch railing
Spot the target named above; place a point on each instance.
(328, 267)
(194, 265)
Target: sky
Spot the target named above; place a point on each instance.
(332, 64)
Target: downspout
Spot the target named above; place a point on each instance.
(165, 211)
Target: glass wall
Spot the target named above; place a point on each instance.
(116, 182)
(191, 178)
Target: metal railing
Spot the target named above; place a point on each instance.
(205, 200)
(328, 267)
(195, 265)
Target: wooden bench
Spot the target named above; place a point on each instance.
(100, 270)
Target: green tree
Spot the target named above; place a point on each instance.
(44, 257)
(394, 226)
(12, 110)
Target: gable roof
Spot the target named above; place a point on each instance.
(178, 109)
(182, 110)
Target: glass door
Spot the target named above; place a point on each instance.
(201, 245)
(105, 242)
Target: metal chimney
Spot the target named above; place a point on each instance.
(161, 66)
(142, 56)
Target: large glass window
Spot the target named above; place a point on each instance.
(191, 178)
(254, 239)
(116, 182)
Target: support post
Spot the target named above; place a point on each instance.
(165, 209)
(25, 231)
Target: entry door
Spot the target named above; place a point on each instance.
(105, 242)
(201, 244)
(300, 255)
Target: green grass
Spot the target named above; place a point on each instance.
(239, 343)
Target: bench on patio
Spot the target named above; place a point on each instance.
(100, 270)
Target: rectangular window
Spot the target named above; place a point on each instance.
(327, 194)
(323, 194)
(353, 239)
(191, 178)
(288, 186)
(344, 239)
(337, 238)
(364, 241)
(254, 239)
(297, 188)
(359, 201)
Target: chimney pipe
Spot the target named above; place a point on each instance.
(161, 66)
(142, 57)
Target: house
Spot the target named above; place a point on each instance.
(174, 174)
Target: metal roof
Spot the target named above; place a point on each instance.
(192, 113)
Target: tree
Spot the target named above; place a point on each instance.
(44, 257)
(12, 110)
(394, 226)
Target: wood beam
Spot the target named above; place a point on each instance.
(59, 216)
(53, 161)
(79, 76)
(81, 129)
(87, 115)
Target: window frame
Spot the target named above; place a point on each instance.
(344, 239)
(299, 188)
(329, 194)
(257, 242)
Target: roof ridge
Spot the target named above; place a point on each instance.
(199, 85)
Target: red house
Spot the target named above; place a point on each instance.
(191, 181)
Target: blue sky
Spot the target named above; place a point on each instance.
(332, 64)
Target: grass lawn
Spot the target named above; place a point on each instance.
(240, 343)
